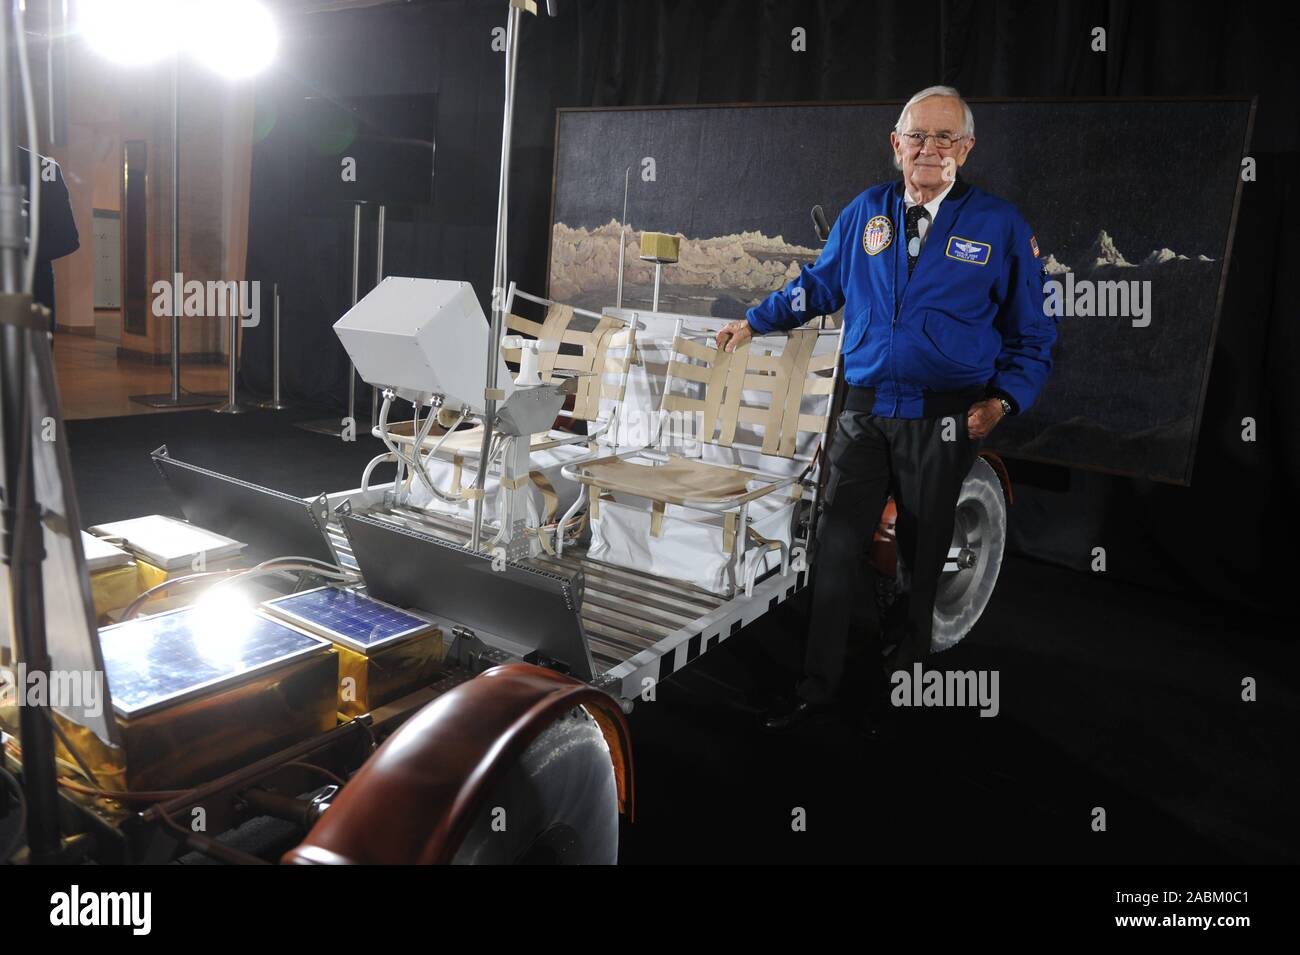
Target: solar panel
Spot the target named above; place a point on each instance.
(153, 661)
(348, 617)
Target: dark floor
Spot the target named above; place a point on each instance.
(1111, 697)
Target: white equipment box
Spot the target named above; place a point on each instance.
(422, 337)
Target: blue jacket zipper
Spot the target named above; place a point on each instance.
(898, 304)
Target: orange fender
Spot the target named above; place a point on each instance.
(884, 543)
(415, 798)
(1000, 469)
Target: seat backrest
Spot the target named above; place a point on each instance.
(607, 350)
(774, 384)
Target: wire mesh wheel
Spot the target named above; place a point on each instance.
(557, 805)
(980, 535)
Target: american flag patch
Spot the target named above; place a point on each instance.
(1033, 244)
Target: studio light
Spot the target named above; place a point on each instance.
(234, 38)
(129, 32)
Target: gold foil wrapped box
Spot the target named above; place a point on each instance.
(660, 247)
(384, 652)
(198, 693)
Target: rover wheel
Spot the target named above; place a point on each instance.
(557, 805)
(980, 534)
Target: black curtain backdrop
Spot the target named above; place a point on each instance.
(1225, 535)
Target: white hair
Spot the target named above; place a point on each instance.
(926, 93)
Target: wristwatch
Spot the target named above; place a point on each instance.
(1006, 407)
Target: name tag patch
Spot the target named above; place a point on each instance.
(968, 250)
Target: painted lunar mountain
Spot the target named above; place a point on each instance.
(714, 276)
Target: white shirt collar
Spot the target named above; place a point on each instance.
(932, 206)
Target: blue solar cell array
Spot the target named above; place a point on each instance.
(349, 617)
(155, 660)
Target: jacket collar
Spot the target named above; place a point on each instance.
(959, 188)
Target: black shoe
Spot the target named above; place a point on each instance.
(793, 711)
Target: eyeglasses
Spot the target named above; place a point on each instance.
(941, 141)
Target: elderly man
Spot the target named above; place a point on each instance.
(944, 335)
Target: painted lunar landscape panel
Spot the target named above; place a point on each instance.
(1136, 234)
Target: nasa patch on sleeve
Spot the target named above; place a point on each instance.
(968, 250)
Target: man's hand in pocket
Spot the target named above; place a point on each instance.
(982, 418)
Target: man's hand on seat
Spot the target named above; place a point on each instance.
(982, 417)
(734, 334)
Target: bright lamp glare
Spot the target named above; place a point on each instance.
(235, 38)
(130, 32)
(220, 621)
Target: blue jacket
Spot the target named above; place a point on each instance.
(970, 315)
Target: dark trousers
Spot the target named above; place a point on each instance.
(872, 457)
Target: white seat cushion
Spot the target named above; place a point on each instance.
(549, 494)
(690, 545)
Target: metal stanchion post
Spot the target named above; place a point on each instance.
(329, 425)
(379, 277)
(232, 405)
(622, 239)
(356, 297)
(499, 270)
(175, 398)
(276, 403)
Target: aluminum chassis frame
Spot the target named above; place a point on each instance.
(639, 627)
